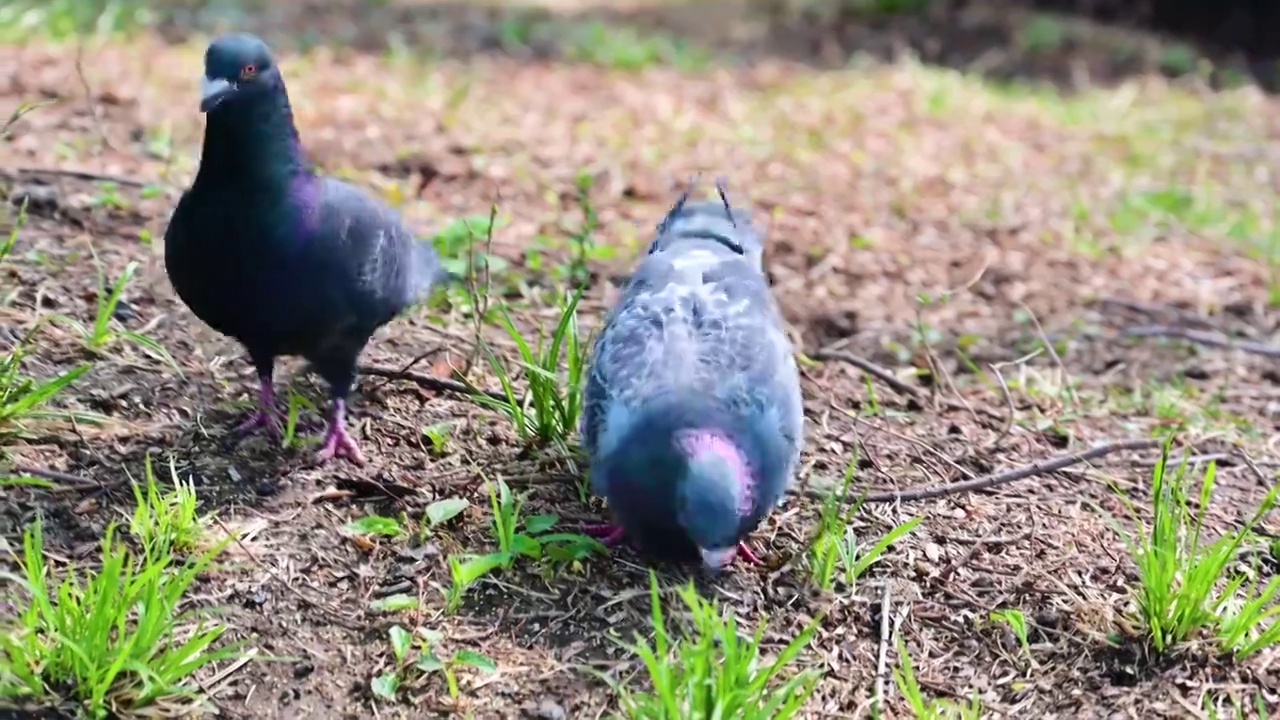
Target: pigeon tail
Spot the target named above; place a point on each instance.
(425, 271)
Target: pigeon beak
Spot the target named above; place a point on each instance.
(214, 91)
(716, 560)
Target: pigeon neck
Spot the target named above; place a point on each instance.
(253, 143)
(707, 445)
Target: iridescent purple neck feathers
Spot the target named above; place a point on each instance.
(704, 444)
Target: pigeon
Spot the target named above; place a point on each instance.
(693, 420)
(287, 262)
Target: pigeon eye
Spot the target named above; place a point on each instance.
(248, 71)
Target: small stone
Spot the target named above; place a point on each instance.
(932, 551)
(549, 709)
(40, 199)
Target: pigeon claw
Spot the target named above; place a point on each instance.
(339, 443)
(266, 416)
(263, 419)
(608, 535)
(749, 555)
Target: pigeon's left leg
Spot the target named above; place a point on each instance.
(337, 442)
(266, 416)
(609, 535)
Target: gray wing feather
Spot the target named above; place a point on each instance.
(694, 318)
(387, 262)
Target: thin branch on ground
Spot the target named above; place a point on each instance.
(1007, 426)
(72, 483)
(868, 367)
(1151, 310)
(94, 111)
(882, 657)
(982, 542)
(1202, 337)
(939, 369)
(1053, 353)
(426, 381)
(987, 482)
(479, 295)
(74, 175)
(429, 352)
(1258, 475)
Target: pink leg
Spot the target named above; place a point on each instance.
(748, 554)
(609, 535)
(266, 416)
(337, 441)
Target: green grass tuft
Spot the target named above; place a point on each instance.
(547, 412)
(112, 639)
(1187, 585)
(711, 671)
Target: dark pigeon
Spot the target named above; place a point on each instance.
(693, 418)
(285, 261)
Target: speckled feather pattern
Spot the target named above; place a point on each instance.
(697, 323)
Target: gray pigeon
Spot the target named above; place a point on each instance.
(285, 261)
(693, 419)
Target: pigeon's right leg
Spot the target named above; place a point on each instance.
(266, 416)
(340, 372)
(608, 535)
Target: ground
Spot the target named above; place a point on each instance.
(992, 245)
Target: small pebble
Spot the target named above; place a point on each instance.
(932, 551)
(549, 709)
(40, 199)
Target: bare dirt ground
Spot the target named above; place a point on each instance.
(918, 217)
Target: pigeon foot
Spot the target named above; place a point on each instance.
(337, 441)
(749, 555)
(265, 420)
(608, 535)
(266, 417)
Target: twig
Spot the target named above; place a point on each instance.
(1158, 310)
(1260, 476)
(1008, 400)
(88, 98)
(1053, 353)
(938, 369)
(987, 482)
(74, 483)
(982, 542)
(409, 365)
(1201, 337)
(868, 367)
(882, 659)
(212, 685)
(428, 382)
(479, 299)
(75, 175)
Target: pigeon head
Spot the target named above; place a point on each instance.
(236, 67)
(716, 220)
(713, 495)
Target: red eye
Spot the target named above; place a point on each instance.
(248, 71)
